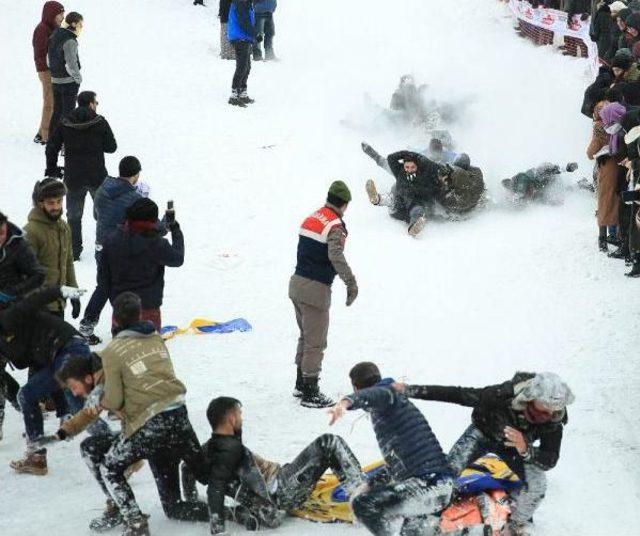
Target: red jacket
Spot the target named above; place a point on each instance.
(41, 34)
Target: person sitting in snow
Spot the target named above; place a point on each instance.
(508, 419)
(413, 197)
(535, 183)
(421, 480)
(265, 490)
(462, 186)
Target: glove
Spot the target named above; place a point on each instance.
(368, 150)
(259, 38)
(71, 293)
(352, 292)
(75, 308)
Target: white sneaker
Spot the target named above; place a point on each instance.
(416, 227)
(372, 192)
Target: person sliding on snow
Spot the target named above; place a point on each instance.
(534, 184)
(421, 480)
(320, 257)
(462, 186)
(413, 196)
(265, 490)
(508, 419)
(30, 336)
(141, 385)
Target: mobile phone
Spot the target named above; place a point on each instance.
(170, 204)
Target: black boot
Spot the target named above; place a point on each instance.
(635, 270)
(621, 253)
(602, 239)
(109, 519)
(312, 397)
(297, 390)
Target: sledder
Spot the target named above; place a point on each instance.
(536, 184)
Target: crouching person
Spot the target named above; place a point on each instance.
(266, 490)
(141, 385)
(421, 480)
(507, 420)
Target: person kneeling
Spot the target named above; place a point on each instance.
(265, 490)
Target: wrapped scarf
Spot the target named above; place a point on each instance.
(611, 114)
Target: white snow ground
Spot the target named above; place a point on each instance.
(467, 303)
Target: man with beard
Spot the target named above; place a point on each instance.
(520, 420)
(50, 238)
(413, 197)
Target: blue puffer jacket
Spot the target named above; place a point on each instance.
(265, 6)
(113, 198)
(409, 446)
(242, 21)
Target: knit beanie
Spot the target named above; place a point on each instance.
(340, 190)
(142, 210)
(48, 188)
(129, 167)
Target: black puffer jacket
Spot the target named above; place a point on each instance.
(20, 271)
(492, 411)
(29, 335)
(421, 189)
(86, 137)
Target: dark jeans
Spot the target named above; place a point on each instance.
(164, 440)
(296, 480)
(99, 297)
(265, 26)
(64, 100)
(243, 65)
(43, 384)
(75, 209)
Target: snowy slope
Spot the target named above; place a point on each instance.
(467, 303)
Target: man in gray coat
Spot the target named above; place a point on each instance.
(320, 259)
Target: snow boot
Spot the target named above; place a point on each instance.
(110, 518)
(245, 98)
(138, 526)
(372, 192)
(86, 330)
(31, 464)
(417, 226)
(635, 270)
(312, 397)
(234, 100)
(297, 390)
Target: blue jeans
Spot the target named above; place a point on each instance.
(43, 384)
(75, 210)
(265, 26)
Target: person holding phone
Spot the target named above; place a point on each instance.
(135, 256)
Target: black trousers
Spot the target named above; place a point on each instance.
(64, 100)
(243, 65)
(165, 440)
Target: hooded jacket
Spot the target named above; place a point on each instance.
(42, 32)
(113, 198)
(29, 335)
(20, 271)
(497, 406)
(86, 137)
(139, 378)
(51, 243)
(135, 261)
(63, 58)
(408, 445)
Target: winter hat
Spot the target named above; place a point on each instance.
(623, 59)
(545, 387)
(340, 190)
(463, 161)
(142, 210)
(48, 188)
(129, 167)
(617, 6)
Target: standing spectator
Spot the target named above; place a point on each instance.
(50, 237)
(134, 258)
(52, 17)
(265, 26)
(226, 50)
(320, 258)
(86, 137)
(241, 31)
(111, 202)
(64, 64)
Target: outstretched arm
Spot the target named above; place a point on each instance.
(464, 396)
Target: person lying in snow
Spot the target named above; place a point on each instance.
(462, 186)
(421, 479)
(264, 490)
(535, 184)
(508, 419)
